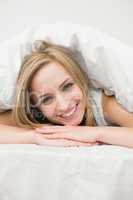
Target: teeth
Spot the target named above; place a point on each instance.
(70, 113)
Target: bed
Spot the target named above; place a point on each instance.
(31, 172)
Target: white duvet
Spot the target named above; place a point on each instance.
(108, 62)
(31, 172)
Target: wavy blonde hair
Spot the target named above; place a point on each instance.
(42, 54)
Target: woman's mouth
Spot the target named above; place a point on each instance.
(71, 113)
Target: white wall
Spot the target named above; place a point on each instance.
(114, 17)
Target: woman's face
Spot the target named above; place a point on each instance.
(58, 96)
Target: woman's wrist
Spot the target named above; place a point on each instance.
(35, 138)
(30, 136)
(16, 135)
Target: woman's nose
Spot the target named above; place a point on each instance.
(62, 104)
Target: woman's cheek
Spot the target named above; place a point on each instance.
(48, 112)
(77, 92)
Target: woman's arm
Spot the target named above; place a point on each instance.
(16, 135)
(122, 136)
(118, 115)
(6, 118)
(10, 134)
(115, 113)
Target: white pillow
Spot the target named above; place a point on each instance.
(109, 63)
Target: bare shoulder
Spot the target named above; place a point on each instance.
(6, 118)
(115, 112)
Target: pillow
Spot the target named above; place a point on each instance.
(108, 62)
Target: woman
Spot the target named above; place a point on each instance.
(53, 88)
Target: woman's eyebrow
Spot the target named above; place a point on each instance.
(63, 83)
(43, 95)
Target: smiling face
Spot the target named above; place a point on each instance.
(60, 98)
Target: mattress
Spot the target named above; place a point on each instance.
(31, 172)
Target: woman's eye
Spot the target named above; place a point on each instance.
(47, 100)
(67, 86)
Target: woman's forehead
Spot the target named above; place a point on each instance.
(49, 76)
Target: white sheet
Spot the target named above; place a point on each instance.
(31, 172)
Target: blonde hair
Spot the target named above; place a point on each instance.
(43, 53)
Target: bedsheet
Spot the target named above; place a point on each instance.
(31, 172)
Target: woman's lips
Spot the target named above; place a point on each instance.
(71, 113)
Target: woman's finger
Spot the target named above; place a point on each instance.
(52, 129)
(54, 126)
(60, 136)
(61, 143)
(50, 132)
(63, 136)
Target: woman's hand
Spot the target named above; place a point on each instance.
(83, 134)
(41, 140)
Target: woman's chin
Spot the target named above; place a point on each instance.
(72, 122)
(67, 122)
